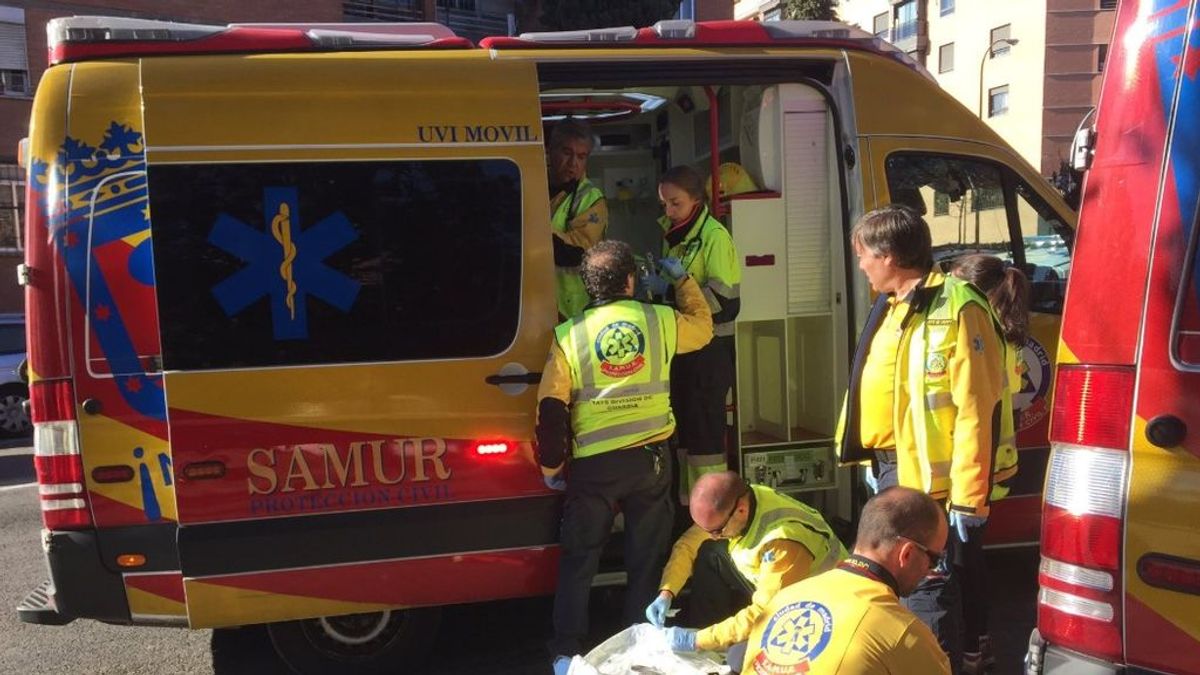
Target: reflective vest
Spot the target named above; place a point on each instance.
(934, 413)
(1006, 455)
(619, 354)
(777, 516)
(708, 254)
(926, 341)
(572, 297)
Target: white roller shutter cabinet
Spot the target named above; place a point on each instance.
(807, 191)
(12, 47)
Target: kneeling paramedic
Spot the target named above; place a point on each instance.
(606, 393)
(850, 619)
(748, 542)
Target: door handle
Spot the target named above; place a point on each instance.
(1166, 431)
(519, 378)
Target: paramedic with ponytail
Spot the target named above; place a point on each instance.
(701, 381)
(603, 418)
(1008, 291)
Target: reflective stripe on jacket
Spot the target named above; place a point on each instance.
(946, 447)
(778, 516)
(583, 208)
(708, 254)
(619, 355)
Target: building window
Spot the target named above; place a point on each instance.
(881, 26)
(946, 58)
(906, 21)
(947, 7)
(998, 100)
(1001, 33)
(383, 10)
(1108, 4)
(463, 5)
(1101, 57)
(12, 207)
(14, 66)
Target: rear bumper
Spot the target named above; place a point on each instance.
(1047, 659)
(80, 587)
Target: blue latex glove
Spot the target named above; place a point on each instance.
(656, 613)
(556, 482)
(561, 665)
(672, 268)
(960, 522)
(870, 479)
(681, 639)
(655, 284)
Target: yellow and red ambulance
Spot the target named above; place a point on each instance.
(1120, 567)
(289, 288)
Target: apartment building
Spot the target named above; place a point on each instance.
(1030, 68)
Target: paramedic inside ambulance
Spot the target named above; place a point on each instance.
(747, 542)
(578, 212)
(603, 419)
(701, 381)
(857, 622)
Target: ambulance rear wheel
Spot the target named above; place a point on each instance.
(394, 641)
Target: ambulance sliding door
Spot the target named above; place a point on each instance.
(349, 300)
(791, 331)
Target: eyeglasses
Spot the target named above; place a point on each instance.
(725, 523)
(935, 557)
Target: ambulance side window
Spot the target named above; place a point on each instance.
(293, 263)
(1185, 324)
(962, 199)
(1047, 242)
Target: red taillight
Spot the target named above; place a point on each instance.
(1079, 604)
(1171, 573)
(56, 457)
(1093, 405)
(494, 448)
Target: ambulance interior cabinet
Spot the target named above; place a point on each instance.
(785, 409)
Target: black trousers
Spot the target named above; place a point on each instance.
(638, 482)
(939, 600)
(718, 590)
(700, 381)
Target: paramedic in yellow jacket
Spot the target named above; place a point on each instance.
(1008, 292)
(578, 212)
(604, 403)
(746, 543)
(849, 621)
(701, 381)
(927, 395)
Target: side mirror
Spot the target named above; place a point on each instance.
(1083, 148)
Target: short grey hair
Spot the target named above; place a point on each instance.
(571, 129)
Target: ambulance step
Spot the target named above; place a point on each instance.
(38, 607)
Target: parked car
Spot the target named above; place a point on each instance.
(14, 420)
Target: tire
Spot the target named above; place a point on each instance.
(14, 421)
(394, 641)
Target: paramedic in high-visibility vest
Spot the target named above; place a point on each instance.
(850, 620)
(926, 403)
(700, 382)
(604, 415)
(578, 212)
(746, 543)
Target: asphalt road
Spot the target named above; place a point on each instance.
(504, 638)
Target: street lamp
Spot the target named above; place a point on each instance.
(982, 62)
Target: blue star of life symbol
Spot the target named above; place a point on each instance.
(284, 262)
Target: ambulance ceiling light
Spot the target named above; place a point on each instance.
(621, 34)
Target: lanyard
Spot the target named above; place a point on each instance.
(865, 567)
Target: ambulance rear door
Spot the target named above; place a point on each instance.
(1160, 551)
(355, 294)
